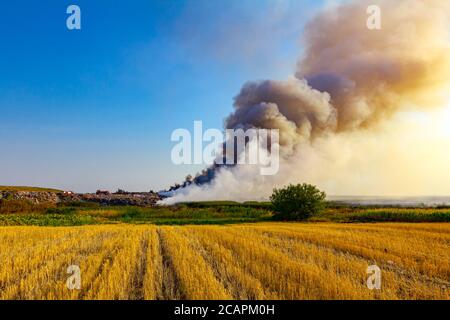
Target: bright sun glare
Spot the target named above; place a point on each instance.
(442, 121)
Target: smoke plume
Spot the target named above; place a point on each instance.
(349, 84)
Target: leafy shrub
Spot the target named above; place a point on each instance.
(297, 202)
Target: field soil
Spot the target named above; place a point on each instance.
(243, 261)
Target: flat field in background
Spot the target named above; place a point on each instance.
(241, 261)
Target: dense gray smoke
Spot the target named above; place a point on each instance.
(350, 78)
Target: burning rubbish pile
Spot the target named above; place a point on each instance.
(120, 197)
(102, 197)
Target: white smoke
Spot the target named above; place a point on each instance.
(347, 89)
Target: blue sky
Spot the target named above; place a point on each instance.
(94, 108)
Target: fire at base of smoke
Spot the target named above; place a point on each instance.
(236, 147)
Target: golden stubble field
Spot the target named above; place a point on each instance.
(253, 261)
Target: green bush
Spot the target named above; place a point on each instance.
(297, 202)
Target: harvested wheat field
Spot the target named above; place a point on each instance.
(252, 261)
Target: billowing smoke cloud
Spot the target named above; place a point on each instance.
(351, 76)
(297, 110)
(349, 80)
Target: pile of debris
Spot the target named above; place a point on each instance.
(36, 197)
(120, 197)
